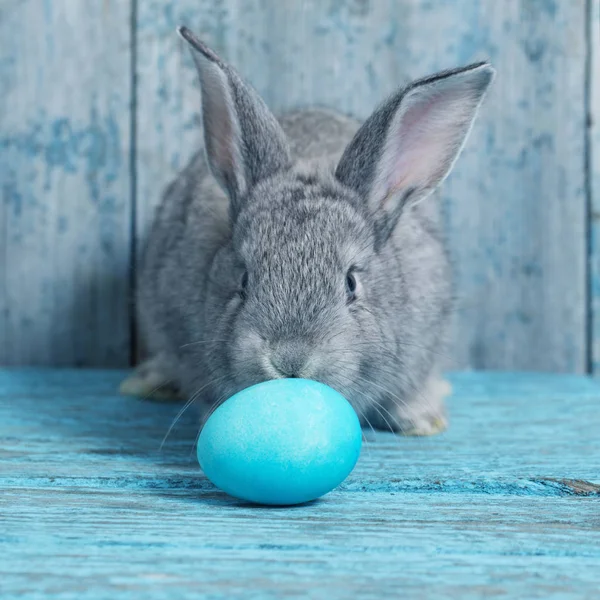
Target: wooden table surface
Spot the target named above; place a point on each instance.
(505, 504)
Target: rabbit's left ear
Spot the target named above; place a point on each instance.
(244, 142)
(408, 146)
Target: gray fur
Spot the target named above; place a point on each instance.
(298, 225)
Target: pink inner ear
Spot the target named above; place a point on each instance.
(220, 130)
(222, 137)
(424, 139)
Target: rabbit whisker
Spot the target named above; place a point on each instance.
(217, 403)
(202, 342)
(193, 397)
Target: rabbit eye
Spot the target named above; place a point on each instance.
(244, 284)
(351, 286)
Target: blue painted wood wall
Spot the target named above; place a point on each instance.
(99, 108)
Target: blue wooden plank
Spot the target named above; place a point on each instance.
(505, 503)
(516, 191)
(64, 175)
(593, 174)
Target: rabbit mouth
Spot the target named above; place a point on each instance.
(275, 368)
(271, 371)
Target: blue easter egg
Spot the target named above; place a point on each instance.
(281, 442)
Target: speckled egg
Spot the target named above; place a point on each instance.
(281, 442)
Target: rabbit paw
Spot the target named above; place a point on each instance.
(427, 426)
(426, 414)
(149, 381)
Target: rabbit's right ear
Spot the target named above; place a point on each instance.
(243, 140)
(408, 146)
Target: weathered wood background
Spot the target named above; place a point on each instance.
(99, 109)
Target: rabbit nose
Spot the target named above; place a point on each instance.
(289, 358)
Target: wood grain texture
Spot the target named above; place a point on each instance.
(504, 504)
(64, 175)
(516, 203)
(593, 174)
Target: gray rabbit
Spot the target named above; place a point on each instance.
(310, 247)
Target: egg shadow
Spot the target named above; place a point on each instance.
(261, 507)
